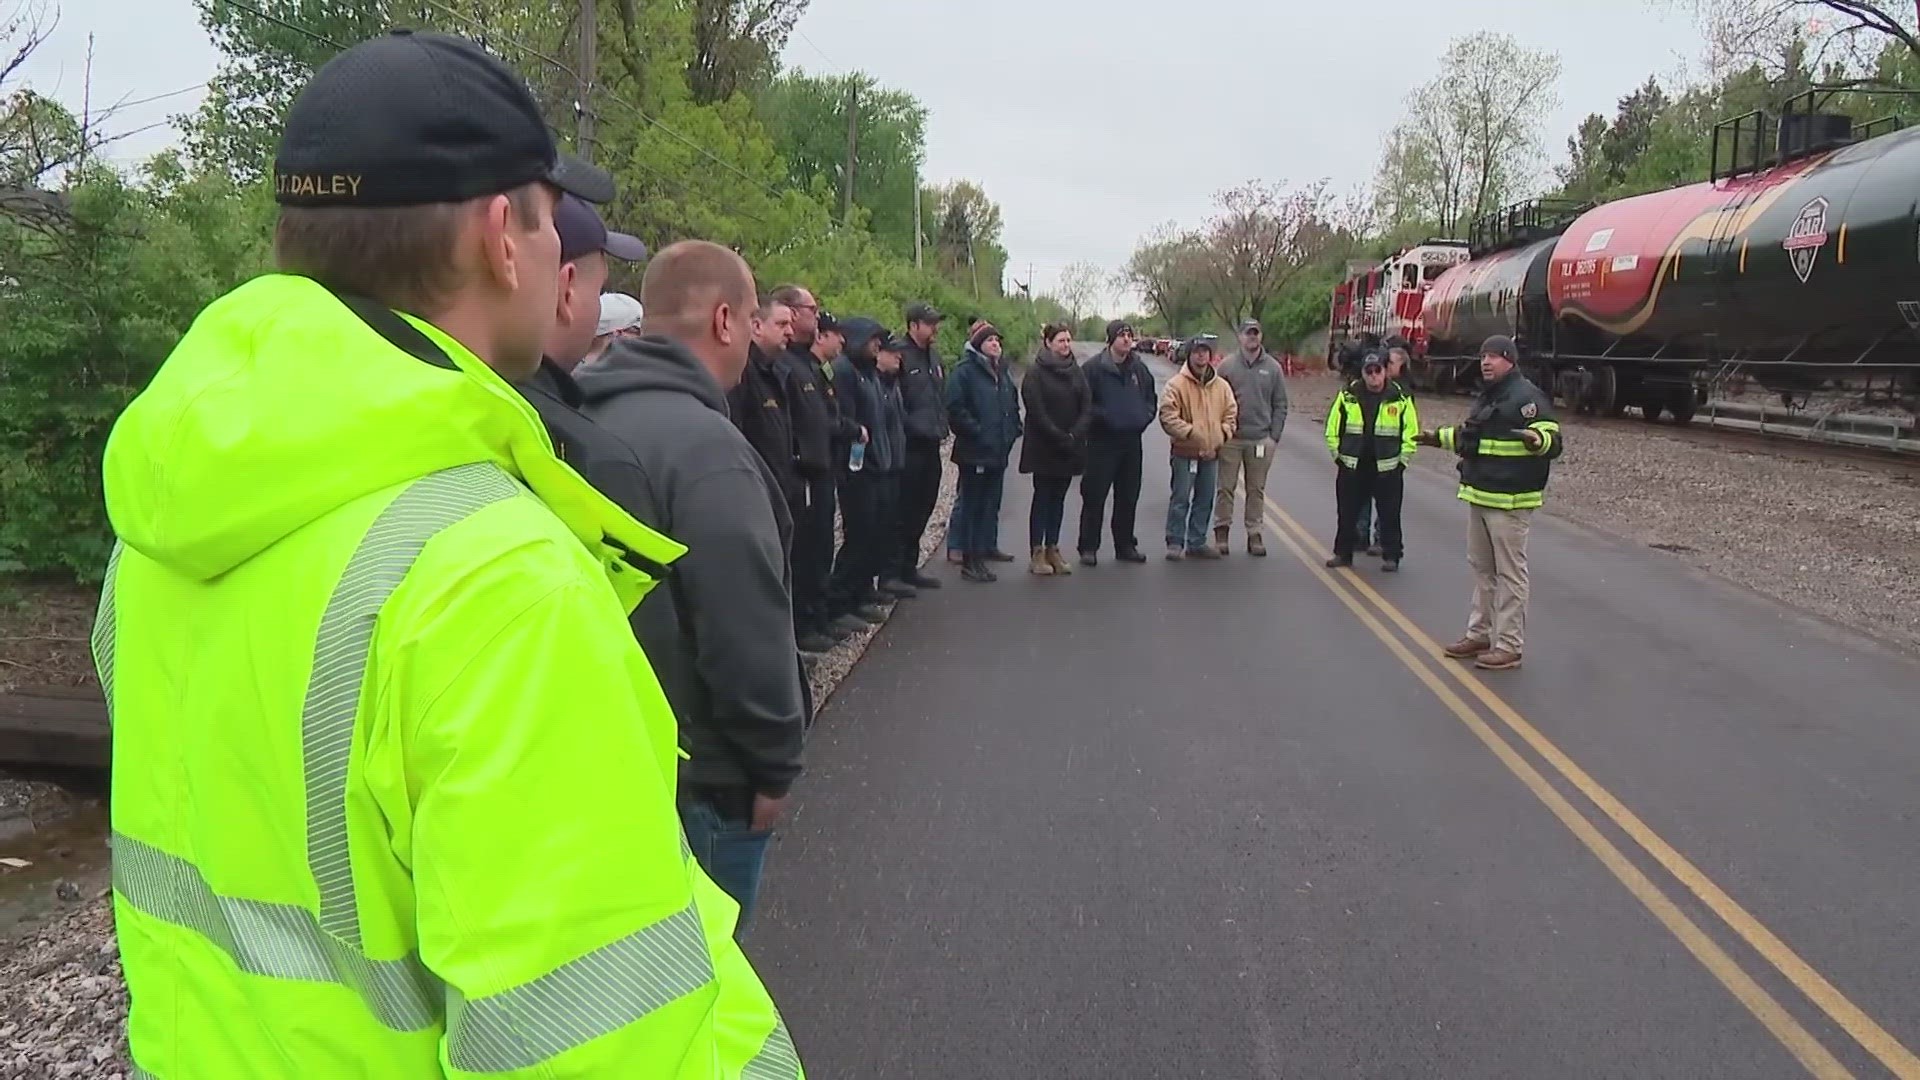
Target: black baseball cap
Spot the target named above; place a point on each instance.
(1373, 359)
(1249, 324)
(921, 311)
(828, 324)
(419, 117)
(581, 231)
(891, 342)
(1501, 345)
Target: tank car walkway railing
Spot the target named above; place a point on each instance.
(1896, 434)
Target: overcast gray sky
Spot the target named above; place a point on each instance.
(1051, 104)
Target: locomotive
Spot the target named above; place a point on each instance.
(1797, 264)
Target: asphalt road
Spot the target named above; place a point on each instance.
(1239, 820)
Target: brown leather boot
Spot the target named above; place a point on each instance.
(1498, 660)
(1468, 647)
(1256, 544)
(1058, 561)
(1220, 539)
(1041, 565)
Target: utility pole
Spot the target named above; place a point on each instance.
(853, 141)
(589, 57)
(971, 265)
(917, 263)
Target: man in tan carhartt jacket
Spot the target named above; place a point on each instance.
(1198, 412)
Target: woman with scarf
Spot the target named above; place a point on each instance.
(1059, 409)
(984, 409)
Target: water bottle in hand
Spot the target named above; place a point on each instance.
(857, 457)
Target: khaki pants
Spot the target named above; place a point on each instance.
(1497, 550)
(1237, 457)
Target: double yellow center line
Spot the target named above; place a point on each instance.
(1422, 656)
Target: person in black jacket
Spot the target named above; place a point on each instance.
(585, 246)
(759, 405)
(869, 474)
(821, 436)
(1125, 404)
(719, 629)
(1059, 409)
(923, 390)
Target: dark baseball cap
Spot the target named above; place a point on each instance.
(1373, 359)
(419, 117)
(828, 324)
(1501, 345)
(921, 311)
(891, 342)
(581, 231)
(1249, 324)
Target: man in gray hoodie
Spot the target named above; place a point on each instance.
(719, 630)
(1261, 392)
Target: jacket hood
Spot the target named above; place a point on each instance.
(858, 333)
(971, 355)
(1186, 371)
(651, 364)
(281, 404)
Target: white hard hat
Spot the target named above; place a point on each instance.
(618, 312)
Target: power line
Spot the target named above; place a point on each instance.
(278, 21)
(124, 104)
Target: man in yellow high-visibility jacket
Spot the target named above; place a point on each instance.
(393, 786)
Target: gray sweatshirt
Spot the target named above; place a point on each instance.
(1261, 392)
(719, 630)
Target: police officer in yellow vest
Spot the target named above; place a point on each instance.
(1370, 433)
(1506, 448)
(393, 785)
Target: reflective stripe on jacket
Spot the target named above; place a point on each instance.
(1390, 442)
(1497, 468)
(393, 786)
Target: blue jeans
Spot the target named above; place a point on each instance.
(977, 511)
(1190, 510)
(729, 851)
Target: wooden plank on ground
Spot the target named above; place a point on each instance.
(55, 726)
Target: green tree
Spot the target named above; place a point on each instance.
(1586, 172)
(737, 43)
(807, 117)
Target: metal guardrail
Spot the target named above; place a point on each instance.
(1895, 434)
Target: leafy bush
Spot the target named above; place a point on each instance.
(92, 304)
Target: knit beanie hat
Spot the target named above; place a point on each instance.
(980, 335)
(1116, 328)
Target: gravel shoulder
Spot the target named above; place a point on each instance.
(64, 1014)
(1831, 537)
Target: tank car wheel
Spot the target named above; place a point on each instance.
(1650, 412)
(1604, 393)
(1682, 405)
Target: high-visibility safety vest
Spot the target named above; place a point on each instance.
(1497, 468)
(1390, 438)
(393, 785)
